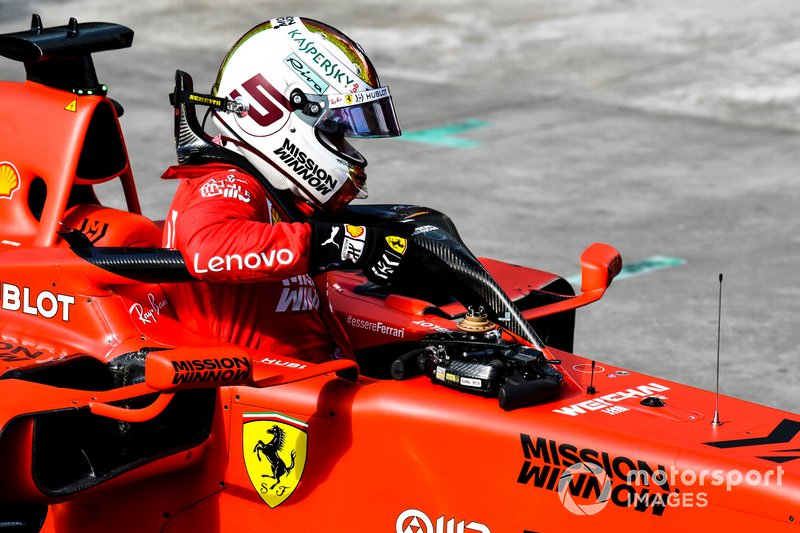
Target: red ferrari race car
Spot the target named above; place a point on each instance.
(465, 410)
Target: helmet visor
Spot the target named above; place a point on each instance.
(364, 114)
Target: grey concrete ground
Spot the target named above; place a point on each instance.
(663, 128)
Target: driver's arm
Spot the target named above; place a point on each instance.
(221, 225)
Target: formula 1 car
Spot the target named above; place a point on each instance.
(464, 410)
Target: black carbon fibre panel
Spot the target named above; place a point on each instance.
(153, 265)
(465, 274)
(440, 258)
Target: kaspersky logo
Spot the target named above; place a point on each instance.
(9, 180)
(274, 448)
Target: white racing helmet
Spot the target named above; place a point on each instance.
(306, 86)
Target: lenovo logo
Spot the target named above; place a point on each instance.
(251, 261)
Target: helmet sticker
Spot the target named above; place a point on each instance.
(306, 169)
(280, 22)
(312, 79)
(314, 50)
(269, 110)
(361, 97)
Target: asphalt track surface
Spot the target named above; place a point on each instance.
(667, 129)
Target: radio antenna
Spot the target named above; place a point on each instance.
(716, 421)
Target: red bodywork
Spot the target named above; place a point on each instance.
(351, 453)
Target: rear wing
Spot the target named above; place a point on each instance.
(60, 56)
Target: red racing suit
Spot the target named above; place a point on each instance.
(255, 290)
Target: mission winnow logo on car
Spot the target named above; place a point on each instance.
(593, 476)
(211, 370)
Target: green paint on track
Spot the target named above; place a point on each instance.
(446, 135)
(645, 266)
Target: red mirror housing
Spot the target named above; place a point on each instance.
(600, 263)
(187, 368)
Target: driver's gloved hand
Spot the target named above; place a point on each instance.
(379, 250)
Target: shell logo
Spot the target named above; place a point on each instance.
(354, 231)
(9, 179)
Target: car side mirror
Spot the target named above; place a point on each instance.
(600, 264)
(190, 368)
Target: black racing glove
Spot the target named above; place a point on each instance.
(379, 250)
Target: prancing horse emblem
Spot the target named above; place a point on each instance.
(270, 451)
(274, 449)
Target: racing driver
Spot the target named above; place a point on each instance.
(306, 87)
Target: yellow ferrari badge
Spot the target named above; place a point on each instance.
(274, 448)
(398, 244)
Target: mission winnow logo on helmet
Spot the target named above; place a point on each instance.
(305, 168)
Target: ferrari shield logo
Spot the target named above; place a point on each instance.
(274, 448)
(398, 244)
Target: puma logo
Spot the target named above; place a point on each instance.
(334, 232)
